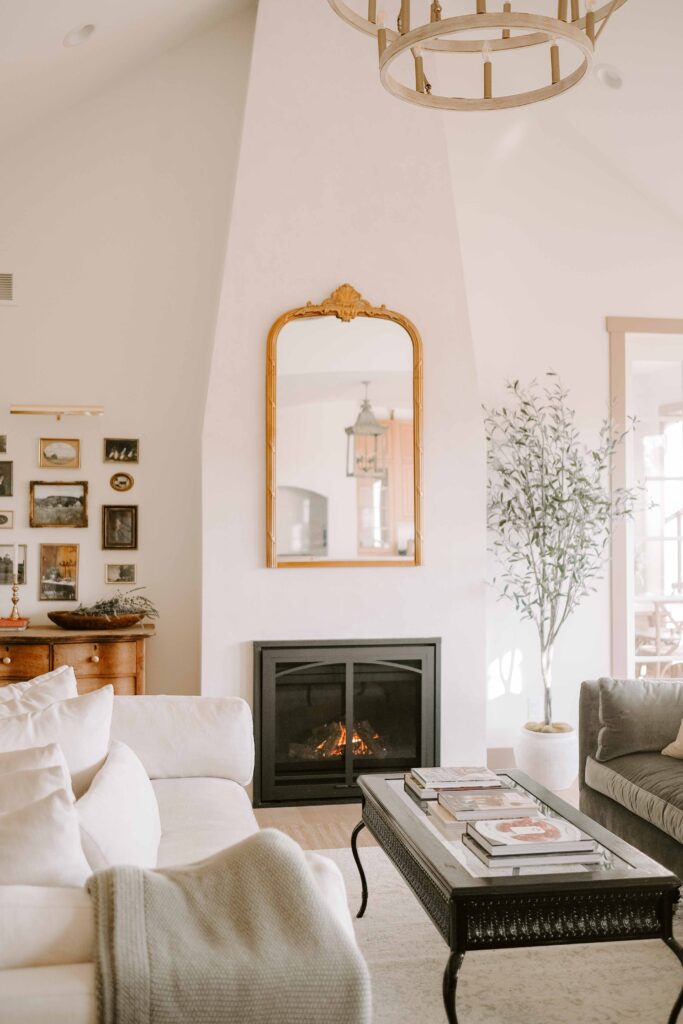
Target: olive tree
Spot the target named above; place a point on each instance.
(550, 509)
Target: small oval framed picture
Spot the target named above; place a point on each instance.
(6, 519)
(122, 481)
(60, 452)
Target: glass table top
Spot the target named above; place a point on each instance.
(476, 869)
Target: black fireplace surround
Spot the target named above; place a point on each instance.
(310, 695)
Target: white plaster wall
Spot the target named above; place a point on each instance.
(337, 181)
(113, 219)
(556, 234)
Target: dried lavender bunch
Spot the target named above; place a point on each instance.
(129, 603)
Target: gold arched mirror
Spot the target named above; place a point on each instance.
(343, 436)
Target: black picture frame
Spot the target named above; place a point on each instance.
(119, 527)
(6, 479)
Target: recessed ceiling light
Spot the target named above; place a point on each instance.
(78, 35)
(608, 75)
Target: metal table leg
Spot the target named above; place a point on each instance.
(677, 949)
(450, 981)
(363, 882)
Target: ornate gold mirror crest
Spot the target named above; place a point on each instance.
(343, 436)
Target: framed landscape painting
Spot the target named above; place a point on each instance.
(120, 573)
(119, 527)
(60, 452)
(58, 504)
(6, 564)
(58, 572)
(121, 449)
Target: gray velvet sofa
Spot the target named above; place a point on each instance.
(625, 782)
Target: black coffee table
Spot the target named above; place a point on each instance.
(626, 896)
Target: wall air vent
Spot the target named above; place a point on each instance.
(6, 287)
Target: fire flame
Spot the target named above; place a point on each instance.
(360, 747)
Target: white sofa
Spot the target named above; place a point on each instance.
(199, 753)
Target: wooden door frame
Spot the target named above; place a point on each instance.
(621, 576)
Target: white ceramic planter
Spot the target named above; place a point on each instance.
(551, 758)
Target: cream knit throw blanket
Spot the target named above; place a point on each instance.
(244, 937)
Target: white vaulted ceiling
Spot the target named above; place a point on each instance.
(39, 75)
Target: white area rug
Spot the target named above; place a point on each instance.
(608, 983)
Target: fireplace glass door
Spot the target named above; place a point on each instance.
(341, 713)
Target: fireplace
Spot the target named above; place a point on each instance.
(327, 711)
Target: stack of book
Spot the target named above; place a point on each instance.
(431, 786)
(531, 841)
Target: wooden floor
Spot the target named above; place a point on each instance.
(329, 826)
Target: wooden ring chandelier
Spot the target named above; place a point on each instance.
(441, 35)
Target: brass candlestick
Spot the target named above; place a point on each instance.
(14, 614)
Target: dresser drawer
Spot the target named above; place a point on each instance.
(124, 686)
(112, 659)
(23, 661)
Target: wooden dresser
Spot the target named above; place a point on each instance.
(98, 657)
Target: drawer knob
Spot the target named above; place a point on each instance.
(7, 660)
(95, 659)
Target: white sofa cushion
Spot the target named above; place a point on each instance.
(63, 994)
(80, 726)
(17, 789)
(42, 691)
(188, 737)
(119, 815)
(41, 925)
(199, 817)
(40, 844)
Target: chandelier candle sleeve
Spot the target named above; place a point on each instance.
(575, 10)
(590, 20)
(405, 16)
(507, 9)
(562, 10)
(381, 33)
(372, 10)
(555, 62)
(488, 76)
(419, 69)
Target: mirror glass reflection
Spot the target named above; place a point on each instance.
(345, 441)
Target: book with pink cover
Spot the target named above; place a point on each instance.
(503, 803)
(536, 834)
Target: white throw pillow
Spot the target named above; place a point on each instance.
(40, 844)
(33, 757)
(58, 685)
(119, 815)
(13, 690)
(80, 726)
(25, 787)
(675, 748)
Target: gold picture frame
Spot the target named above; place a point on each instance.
(346, 304)
(58, 503)
(59, 457)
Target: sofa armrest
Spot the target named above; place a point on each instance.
(589, 725)
(188, 737)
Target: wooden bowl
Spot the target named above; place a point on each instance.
(70, 620)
